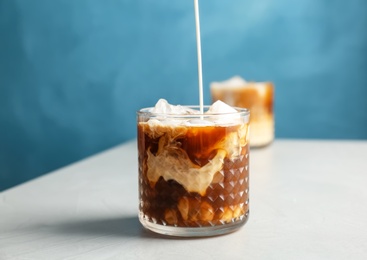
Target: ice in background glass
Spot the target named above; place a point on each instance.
(193, 169)
(257, 97)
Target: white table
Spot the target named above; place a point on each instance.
(308, 200)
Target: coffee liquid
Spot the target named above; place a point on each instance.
(166, 201)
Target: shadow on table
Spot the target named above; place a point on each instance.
(117, 227)
(124, 226)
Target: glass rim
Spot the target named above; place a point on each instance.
(239, 111)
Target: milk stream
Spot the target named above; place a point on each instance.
(198, 44)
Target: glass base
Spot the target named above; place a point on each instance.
(193, 231)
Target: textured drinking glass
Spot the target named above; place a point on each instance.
(193, 172)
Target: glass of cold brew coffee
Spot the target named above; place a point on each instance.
(193, 169)
(257, 97)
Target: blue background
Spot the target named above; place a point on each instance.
(73, 72)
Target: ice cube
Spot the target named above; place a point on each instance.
(219, 107)
(223, 114)
(163, 107)
(220, 112)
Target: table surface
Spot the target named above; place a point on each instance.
(308, 200)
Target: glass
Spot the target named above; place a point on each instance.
(193, 172)
(258, 98)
